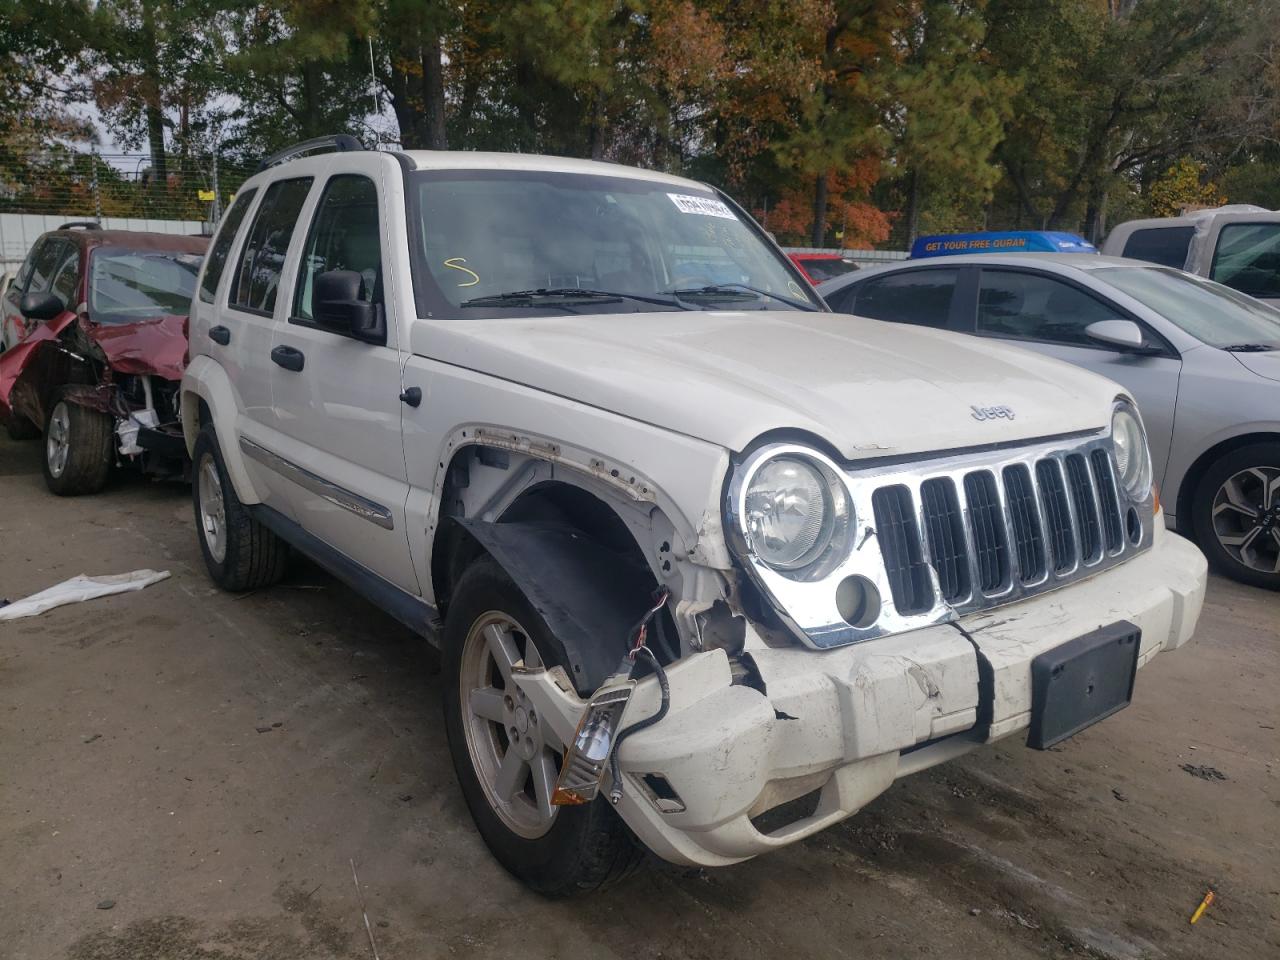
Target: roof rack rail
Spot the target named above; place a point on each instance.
(81, 225)
(338, 142)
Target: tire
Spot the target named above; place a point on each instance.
(582, 848)
(239, 552)
(1239, 539)
(77, 448)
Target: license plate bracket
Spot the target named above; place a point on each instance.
(1082, 681)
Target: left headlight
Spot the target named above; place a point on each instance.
(796, 516)
(1133, 459)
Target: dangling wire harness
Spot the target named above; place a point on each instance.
(638, 646)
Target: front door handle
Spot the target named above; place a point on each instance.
(220, 334)
(287, 357)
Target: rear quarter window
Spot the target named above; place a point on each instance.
(1166, 246)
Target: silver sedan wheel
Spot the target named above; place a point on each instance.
(57, 445)
(1246, 518)
(515, 755)
(213, 509)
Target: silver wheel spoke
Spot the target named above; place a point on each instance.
(1272, 489)
(487, 703)
(544, 781)
(511, 775)
(1243, 541)
(502, 647)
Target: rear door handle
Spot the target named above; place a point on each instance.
(220, 334)
(288, 357)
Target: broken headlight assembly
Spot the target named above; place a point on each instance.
(796, 516)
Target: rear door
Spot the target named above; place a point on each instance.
(338, 405)
(1049, 314)
(253, 299)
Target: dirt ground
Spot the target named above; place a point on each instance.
(189, 775)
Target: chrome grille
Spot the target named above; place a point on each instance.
(945, 536)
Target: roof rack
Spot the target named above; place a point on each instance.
(338, 142)
(81, 225)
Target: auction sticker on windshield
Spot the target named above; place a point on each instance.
(702, 205)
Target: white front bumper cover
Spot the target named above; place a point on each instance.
(849, 721)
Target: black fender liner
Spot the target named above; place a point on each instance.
(589, 596)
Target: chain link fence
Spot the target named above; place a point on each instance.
(99, 186)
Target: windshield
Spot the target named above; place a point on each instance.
(129, 285)
(499, 243)
(1208, 311)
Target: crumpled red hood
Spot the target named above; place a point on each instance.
(157, 347)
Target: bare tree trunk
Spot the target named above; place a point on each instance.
(433, 93)
(820, 209)
(154, 110)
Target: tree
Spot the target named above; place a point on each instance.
(1182, 187)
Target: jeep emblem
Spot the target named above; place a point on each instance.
(992, 413)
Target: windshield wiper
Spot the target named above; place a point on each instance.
(729, 290)
(1250, 347)
(548, 295)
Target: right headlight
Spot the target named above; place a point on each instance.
(796, 516)
(1133, 459)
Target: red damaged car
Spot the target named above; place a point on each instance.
(95, 324)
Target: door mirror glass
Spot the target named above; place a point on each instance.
(41, 306)
(342, 305)
(1124, 334)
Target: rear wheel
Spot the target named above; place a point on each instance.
(506, 758)
(239, 552)
(1236, 515)
(77, 448)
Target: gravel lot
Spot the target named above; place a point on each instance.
(212, 765)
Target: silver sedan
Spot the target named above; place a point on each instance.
(1202, 360)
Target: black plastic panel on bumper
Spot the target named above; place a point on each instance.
(1081, 682)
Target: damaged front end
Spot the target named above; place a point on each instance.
(129, 372)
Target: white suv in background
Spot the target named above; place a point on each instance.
(1237, 245)
(693, 546)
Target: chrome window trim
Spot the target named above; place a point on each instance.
(809, 608)
(362, 507)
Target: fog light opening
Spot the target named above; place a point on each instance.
(1133, 525)
(661, 794)
(858, 602)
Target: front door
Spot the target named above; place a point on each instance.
(338, 413)
(1049, 315)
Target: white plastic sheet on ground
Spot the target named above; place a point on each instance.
(81, 588)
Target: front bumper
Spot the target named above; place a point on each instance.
(847, 722)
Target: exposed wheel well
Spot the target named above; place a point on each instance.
(1206, 460)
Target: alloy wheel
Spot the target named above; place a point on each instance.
(515, 755)
(1246, 518)
(57, 445)
(213, 509)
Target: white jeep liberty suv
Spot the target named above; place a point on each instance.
(709, 565)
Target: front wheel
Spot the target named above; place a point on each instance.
(77, 448)
(1235, 515)
(506, 758)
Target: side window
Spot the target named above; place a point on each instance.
(842, 300)
(65, 280)
(922, 297)
(1029, 306)
(262, 258)
(344, 236)
(1248, 258)
(217, 258)
(45, 264)
(1166, 246)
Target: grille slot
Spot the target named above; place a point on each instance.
(1057, 515)
(1081, 487)
(944, 527)
(1107, 499)
(986, 521)
(1028, 541)
(900, 545)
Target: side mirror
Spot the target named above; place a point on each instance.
(1123, 334)
(338, 305)
(41, 306)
